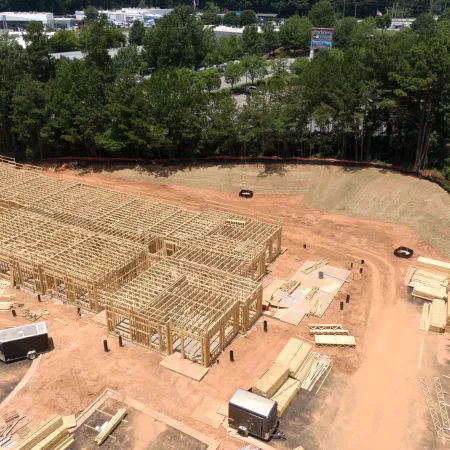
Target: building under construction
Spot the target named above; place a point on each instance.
(171, 278)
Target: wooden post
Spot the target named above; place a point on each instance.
(279, 243)
(206, 359)
(182, 344)
(160, 339)
(169, 337)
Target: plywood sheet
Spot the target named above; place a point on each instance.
(271, 381)
(433, 264)
(184, 367)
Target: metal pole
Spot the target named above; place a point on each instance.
(355, 8)
(343, 13)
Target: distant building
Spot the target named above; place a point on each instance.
(16, 21)
(129, 15)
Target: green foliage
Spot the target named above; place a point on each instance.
(424, 24)
(137, 32)
(344, 32)
(271, 38)
(252, 40)
(38, 50)
(233, 73)
(91, 13)
(322, 14)
(247, 17)
(177, 40)
(231, 19)
(445, 15)
(384, 21)
(254, 67)
(299, 66)
(279, 66)
(64, 41)
(296, 32)
(210, 79)
(96, 38)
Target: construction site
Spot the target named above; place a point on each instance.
(165, 306)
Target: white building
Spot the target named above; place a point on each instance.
(18, 20)
(129, 15)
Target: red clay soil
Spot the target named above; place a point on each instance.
(379, 406)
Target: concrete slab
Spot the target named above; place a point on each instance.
(184, 367)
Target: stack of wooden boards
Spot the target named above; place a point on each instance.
(51, 435)
(430, 280)
(295, 367)
(331, 335)
(6, 306)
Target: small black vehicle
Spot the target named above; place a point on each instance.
(26, 341)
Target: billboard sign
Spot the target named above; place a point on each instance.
(321, 38)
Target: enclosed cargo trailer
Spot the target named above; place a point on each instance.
(26, 341)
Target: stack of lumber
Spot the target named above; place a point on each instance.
(335, 341)
(52, 435)
(319, 367)
(438, 316)
(285, 395)
(332, 328)
(435, 265)
(293, 355)
(425, 318)
(6, 306)
(272, 380)
(112, 424)
(315, 266)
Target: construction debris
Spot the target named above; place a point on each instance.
(112, 424)
(6, 306)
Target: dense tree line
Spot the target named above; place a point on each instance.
(375, 96)
(286, 8)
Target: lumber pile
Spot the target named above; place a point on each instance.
(6, 306)
(272, 380)
(315, 266)
(285, 395)
(112, 424)
(51, 435)
(334, 341)
(425, 318)
(438, 316)
(305, 370)
(434, 265)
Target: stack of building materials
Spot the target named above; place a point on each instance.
(296, 365)
(335, 341)
(430, 282)
(272, 380)
(52, 435)
(6, 306)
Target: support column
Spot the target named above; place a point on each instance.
(182, 344)
(206, 357)
(279, 244)
(222, 336)
(160, 339)
(169, 337)
(270, 251)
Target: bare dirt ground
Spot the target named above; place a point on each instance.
(371, 400)
(366, 193)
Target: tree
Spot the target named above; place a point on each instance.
(137, 32)
(344, 32)
(252, 40)
(270, 36)
(254, 67)
(38, 49)
(384, 21)
(322, 14)
(233, 73)
(299, 66)
(28, 114)
(231, 19)
(177, 40)
(96, 38)
(424, 25)
(247, 17)
(129, 59)
(210, 14)
(64, 41)
(91, 14)
(445, 15)
(296, 32)
(279, 66)
(211, 79)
